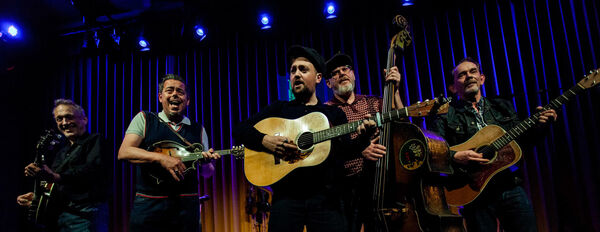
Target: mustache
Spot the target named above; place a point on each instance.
(67, 126)
(175, 101)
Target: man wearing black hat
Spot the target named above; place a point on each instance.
(308, 196)
(341, 80)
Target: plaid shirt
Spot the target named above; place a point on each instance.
(358, 110)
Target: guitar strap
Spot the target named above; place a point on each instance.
(173, 130)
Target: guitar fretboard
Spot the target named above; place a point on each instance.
(526, 124)
(348, 128)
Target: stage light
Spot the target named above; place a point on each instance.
(330, 10)
(143, 45)
(116, 37)
(96, 39)
(12, 30)
(265, 20)
(407, 2)
(200, 33)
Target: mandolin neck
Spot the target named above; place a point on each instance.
(193, 156)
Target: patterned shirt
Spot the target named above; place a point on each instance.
(355, 111)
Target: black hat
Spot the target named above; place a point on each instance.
(339, 59)
(312, 55)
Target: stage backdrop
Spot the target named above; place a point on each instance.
(530, 51)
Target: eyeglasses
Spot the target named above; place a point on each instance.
(337, 72)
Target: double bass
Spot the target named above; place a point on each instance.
(402, 198)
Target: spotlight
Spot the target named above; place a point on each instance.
(12, 30)
(407, 2)
(330, 10)
(200, 33)
(9, 32)
(116, 37)
(143, 44)
(96, 39)
(265, 20)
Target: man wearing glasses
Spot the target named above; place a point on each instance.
(341, 80)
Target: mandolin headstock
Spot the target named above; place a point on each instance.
(238, 151)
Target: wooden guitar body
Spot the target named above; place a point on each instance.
(312, 134)
(264, 169)
(500, 148)
(480, 175)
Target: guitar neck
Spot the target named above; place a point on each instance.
(528, 123)
(348, 128)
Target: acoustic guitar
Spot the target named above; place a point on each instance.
(312, 135)
(191, 153)
(500, 148)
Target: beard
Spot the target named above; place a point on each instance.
(303, 93)
(344, 90)
(471, 92)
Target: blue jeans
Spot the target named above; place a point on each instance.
(179, 213)
(511, 207)
(90, 218)
(318, 213)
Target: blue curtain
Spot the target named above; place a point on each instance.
(530, 50)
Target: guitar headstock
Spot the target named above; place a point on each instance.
(48, 139)
(590, 80)
(238, 151)
(438, 105)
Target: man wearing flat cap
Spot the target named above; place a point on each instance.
(340, 78)
(307, 196)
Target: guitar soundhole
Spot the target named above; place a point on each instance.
(305, 141)
(487, 151)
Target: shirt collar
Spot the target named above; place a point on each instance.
(468, 105)
(164, 117)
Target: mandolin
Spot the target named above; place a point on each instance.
(192, 153)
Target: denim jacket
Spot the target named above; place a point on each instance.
(460, 124)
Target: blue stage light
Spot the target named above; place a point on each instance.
(265, 20)
(200, 33)
(330, 10)
(407, 2)
(96, 39)
(144, 45)
(116, 37)
(12, 30)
